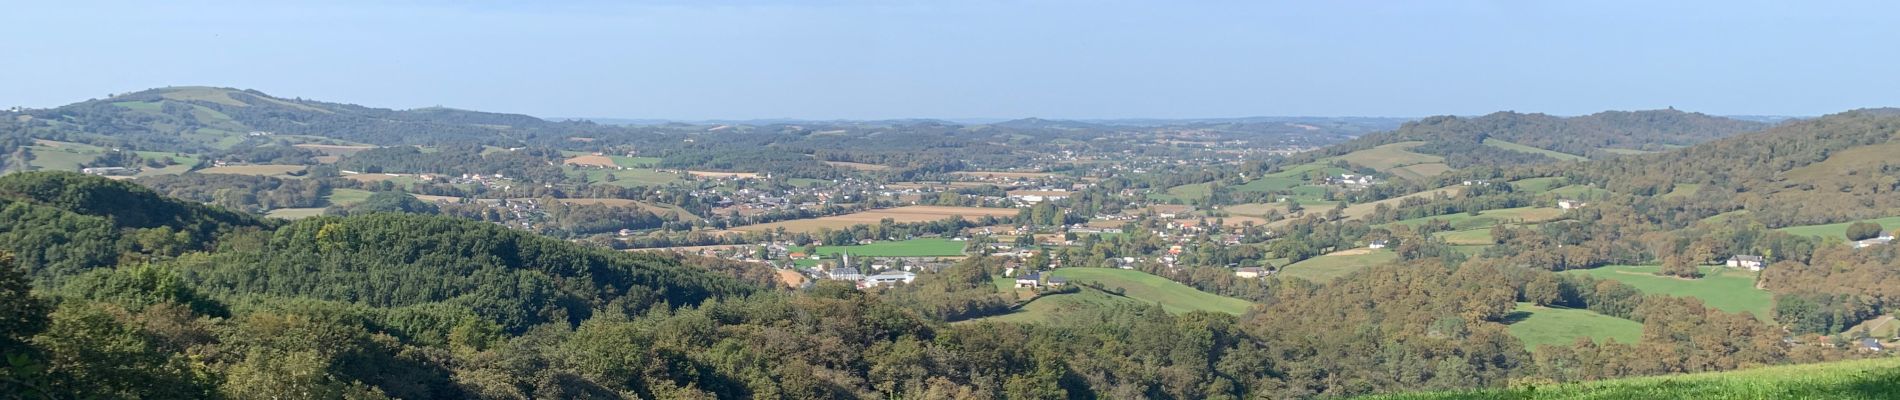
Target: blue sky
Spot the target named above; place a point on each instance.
(973, 58)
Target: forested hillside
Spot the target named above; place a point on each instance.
(1511, 138)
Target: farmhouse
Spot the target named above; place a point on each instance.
(1032, 281)
(107, 171)
(1752, 263)
(1869, 345)
(1377, 244)
(1570, 204)
(1057, 281)
(1250, 272)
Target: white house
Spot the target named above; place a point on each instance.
(890, 278)
(1377, 244)
(1752, 263)
(1570, 204)
(1032, 281)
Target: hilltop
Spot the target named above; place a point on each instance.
(1511, 138)
(198, 118)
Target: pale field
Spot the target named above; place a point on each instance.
(906, 214)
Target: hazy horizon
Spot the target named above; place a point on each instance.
(979, 60)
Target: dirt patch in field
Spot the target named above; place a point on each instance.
(591, 161)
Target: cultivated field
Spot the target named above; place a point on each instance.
(1537, 326)
(591, 161)
(1399, 160)
(295, 213)
(1328, 267)
(906, 248)
(261, 169)
(858, 166)
(1726, 289)
(899, 214)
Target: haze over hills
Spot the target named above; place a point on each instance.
(446, 253)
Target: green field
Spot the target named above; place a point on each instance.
(906, 248)
(1049, 309)
(295, 213)
(1189, 191)
(1727, 289)
(1469, 237)
(1326, 268)
(1537, 185)
(1390, 156)
(1488, 218)
(1625, 151)
(1533, 150)
(1537, 326)
(627, 177)
(1138, 289)
(347, 197)
(1173, 296)
(1839, 230)
(1869, 379)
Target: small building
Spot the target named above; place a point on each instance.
(1031, 281)
(1250, 272)
(845, 274)
(1570, 204)
(891, 278)
(1057, 281)
(1879, 241)
(1378, 244)
(1752, 263)
(1869, 345)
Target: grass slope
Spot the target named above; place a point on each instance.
(1533, 150)
(1139, 289)
(1726, 289)
(1839, 230)
(1173, 296)
(1859, 379)
(1538, 326)
(1488, 218)
(1328, 267)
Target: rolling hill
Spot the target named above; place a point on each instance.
(1511, 138)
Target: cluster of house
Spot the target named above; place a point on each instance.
(1038, 280)
(851, 274)
(1352, 180)
(109, 171)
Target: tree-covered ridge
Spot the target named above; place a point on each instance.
(391, 260)
(60, 224)
(1462, 140)
(1830, 169)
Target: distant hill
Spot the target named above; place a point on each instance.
(59, 224)
(196, 119)
(1511, 138)
(1823, 170)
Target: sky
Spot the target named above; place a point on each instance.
(839, 59)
